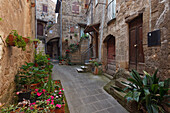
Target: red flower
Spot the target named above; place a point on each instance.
(48, 58)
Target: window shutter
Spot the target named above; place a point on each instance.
(75, 8)
(44, 8)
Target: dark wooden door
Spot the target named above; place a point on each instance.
(111, 65)
(111, 50)
(40, 29)
(136, 55)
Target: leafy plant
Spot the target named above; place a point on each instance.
(149, 92)
(18, 40)
(75, 35)
(0, 19)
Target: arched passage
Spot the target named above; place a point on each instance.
(53, 48)
(111, 54)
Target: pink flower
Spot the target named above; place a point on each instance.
(52, 97)
(48, 100)
(52, 100)
(39, 94)
(52, 103)
(36, 90)
(63, 89)
(43, 90)
(31, 108)
(59, 92)
(33, 103)
(58, 105)
(17, 93)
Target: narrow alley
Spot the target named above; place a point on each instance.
(84, 91)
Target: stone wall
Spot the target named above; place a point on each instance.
(70, 21)
(155, 57)
(17, 15)
(50, 15)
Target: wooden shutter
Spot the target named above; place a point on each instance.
(44, 8)
(75, 8)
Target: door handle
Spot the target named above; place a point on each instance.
(135, 45)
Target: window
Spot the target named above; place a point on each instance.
(96, 2)
(81, 31)
(44, 8)
(75, 8)
(111, 9)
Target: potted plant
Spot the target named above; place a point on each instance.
(26, 39)
(14, 39)
(11, 37)
(96, 69)
(36, 42)
(66, 40)
(75, 35)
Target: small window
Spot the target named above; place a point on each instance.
(44, 8)
(75, 8)
(111, 9)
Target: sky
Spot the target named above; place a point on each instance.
(54, 1)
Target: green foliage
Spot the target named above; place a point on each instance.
(148, 92)
(73, 47)
(0, 19)
(75, 35)
(41, 59)
(84, 36)
(18, 40)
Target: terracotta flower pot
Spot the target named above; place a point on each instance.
(26, 39)
(32, 4)
(11, 39)
(35, 43)
(33, 86)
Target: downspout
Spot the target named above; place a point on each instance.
(60, 28)
(36, 19)
(101, 35)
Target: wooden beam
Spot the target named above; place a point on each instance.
(91, 35)
(95, 29)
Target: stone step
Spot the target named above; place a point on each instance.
(119, 83)
(79, 70)
(108, 76)
(84, 67)
(86, 64)
(112, 67)
(110, 72)
(119, 95)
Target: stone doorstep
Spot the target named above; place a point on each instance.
(84, 67)
(108, 76)
(79, 70)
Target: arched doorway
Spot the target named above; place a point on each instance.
(53, 48)
(111, 54)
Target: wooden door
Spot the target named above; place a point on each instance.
(111, 65)
(111, 50)
(40, 29)
(136, 55)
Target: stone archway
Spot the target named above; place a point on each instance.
(111, 54)
(53, 49)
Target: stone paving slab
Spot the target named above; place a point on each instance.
(84, 91)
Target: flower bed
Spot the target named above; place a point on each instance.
(36, 91)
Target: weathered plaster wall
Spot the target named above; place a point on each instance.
(17, 15)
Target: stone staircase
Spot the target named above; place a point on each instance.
(116, 81)
(111, 68)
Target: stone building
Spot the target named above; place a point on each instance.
(20, 16)
(46, 17)
(73, 21)
(120, 32)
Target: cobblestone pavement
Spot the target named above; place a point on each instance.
(84, 91)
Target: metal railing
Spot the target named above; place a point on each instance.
(87, 54)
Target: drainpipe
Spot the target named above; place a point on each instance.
(36, 19)
(60, 28)
(101, 35)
